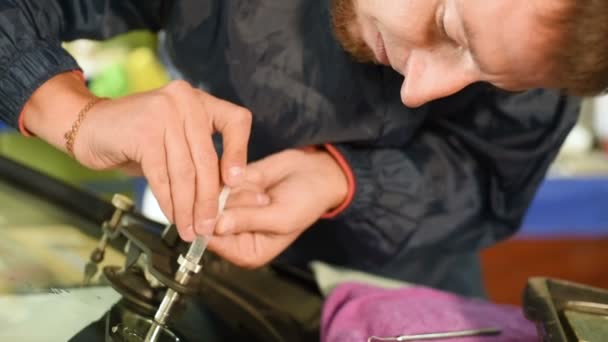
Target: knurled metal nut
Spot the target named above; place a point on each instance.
(122, 202)
(189, 265)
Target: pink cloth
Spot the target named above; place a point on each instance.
(354, 312)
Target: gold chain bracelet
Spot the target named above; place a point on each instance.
(70, 136)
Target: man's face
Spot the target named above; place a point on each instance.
(441, 46)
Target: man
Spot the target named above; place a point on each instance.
(442, 46)
(413, 193)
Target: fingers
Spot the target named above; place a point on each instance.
(191, 161)
(239, 200)
(263, 219)
(251, 250)
(238, 249)
(182, 165)
(234, 124)
(182, 177)
(247, 199)
(205, 161)
(270, 170)
(156, 172)
(254, 176)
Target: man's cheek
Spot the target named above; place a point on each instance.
(347, 31)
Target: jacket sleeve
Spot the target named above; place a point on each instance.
(464, 182)
(31, 32)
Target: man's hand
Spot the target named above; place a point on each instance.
(163, 134)
(301, 187)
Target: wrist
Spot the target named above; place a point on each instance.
(350, 179)
(54, 107)
(335, 181)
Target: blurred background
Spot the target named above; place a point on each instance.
(564, 235)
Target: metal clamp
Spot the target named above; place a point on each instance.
(123, 204)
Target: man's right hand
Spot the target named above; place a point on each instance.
(165, 134)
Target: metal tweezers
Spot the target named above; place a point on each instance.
(438, 335)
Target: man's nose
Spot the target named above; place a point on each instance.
(428, 79)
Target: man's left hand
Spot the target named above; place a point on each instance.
(301, 186)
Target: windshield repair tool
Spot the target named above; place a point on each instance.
(110, 228)
(188, 265)
(438, 335)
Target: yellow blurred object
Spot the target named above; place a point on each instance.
(144, 70)
(96, 56)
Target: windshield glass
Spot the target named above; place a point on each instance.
(43, 251)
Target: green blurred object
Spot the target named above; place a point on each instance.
(45, 158)
(125, 65)
(111, 82)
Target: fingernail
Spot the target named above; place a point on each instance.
(263, 199)
(188, 234)
(226, 225)
(206, 227)
(236, 173)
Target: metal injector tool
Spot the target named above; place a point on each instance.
(189, 265)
